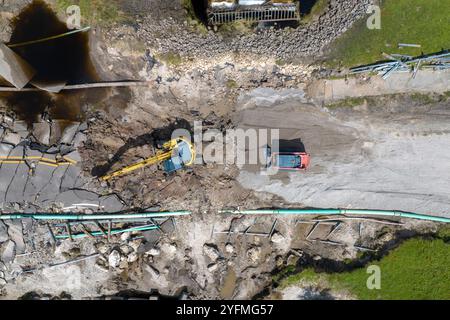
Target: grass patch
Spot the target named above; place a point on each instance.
(316, 11)
(236, 27)
(187, 5)
(286, 274)
(95, 12)
(281, 62)
(417, 269)
(444, 233)
(422, 98)
(171, 58)
(349, 102)
(231, 84)
(416, 97)
(191, 18)
(402, 21)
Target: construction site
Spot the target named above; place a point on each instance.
(193, 150)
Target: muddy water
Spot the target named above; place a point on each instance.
(229, 285)
(65, 59)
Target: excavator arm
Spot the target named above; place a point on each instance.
(165, 154)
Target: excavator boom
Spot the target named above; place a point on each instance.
(170, 151)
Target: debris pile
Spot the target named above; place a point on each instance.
(39, 167)
(404, 63)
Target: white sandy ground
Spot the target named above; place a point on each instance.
(388, 160)
(310, 293)
(425, 81)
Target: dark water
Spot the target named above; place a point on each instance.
(200, 7)
(306, 6)
(64, 59)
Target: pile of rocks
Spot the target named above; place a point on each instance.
(167, 34)
(117, 257)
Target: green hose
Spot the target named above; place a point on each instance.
(118, 216)
(340, 212)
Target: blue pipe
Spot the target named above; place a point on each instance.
(327, 212)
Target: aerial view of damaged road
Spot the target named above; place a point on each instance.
(249, 150)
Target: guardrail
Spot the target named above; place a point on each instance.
(267, 13)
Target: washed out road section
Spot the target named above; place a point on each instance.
(395, 159)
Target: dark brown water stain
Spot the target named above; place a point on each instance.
(64, 59)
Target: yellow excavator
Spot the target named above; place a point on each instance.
(175, 154)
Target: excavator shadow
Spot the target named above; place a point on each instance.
(154, 138)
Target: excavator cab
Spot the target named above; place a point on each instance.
(182, 156)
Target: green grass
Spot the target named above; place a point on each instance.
(316, 11)
(234, 28)
(416, 97)
(281, 62)
(95, 12)
(191, 18)
(231, 84)
(444, 233)
(171, 58)
(423, 98)
(349, 102)
(285, 274)
(402, 21)
(417, 269)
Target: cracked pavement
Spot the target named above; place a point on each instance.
(42, 182)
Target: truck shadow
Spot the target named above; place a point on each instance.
(295, 145)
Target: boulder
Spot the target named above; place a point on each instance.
(114, 259)
(211, 251)
(277, 237)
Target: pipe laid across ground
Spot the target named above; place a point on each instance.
(327, 212)
(100, 233)
(112, 84)
(14, 45)
(116, 216)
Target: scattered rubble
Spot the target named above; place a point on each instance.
(254, 254)
(211, 251)
(8, 251)
(3, 232)
(229, 248)
(277, 237)
(154, 252)
(213, 267)
(114, 259)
